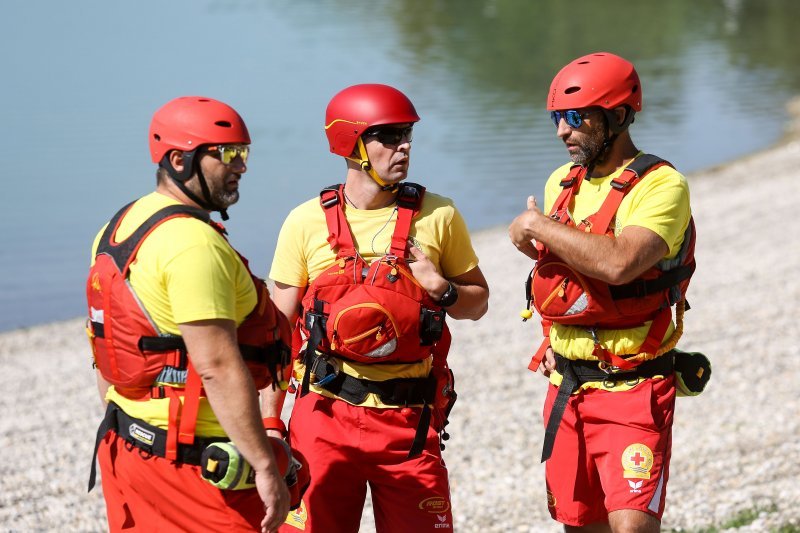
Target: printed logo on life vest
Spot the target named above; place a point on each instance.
(141, 434)
(551, 499)
(442, 522)
(637, 460)
(435, 504)
(298, 517)
(96, 282)
(636, 486)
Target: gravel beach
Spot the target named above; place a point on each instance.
(736, 458)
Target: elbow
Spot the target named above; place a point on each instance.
(617, 273)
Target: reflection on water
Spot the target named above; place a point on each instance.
(81, 85)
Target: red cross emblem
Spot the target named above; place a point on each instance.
(637, 459)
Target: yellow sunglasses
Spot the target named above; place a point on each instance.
(228, 152)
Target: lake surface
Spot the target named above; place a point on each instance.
(81, 79)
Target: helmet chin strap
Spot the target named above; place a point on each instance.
(190, 167)
(366, 166)
(615, 128)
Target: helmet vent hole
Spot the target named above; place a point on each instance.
(203, 100)
(635, 89)
(223, 123)
(583, 62)
(571, 90)
(156, 136)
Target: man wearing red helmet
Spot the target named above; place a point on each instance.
(614, 250)
(183, 337)
(368, 271)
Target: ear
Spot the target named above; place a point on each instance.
(620, 114)
(176, 160)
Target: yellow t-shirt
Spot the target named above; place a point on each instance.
(184, 271)
(302, 253)
(660, 203)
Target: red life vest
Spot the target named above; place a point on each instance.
(369, 313)
(563, 295)
(134, 357)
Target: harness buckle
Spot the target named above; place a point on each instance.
(619, 184)
(329, 372)
(607, 368)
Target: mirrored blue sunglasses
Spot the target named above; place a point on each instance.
(572, 117)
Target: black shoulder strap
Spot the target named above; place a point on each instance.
(122, 252)
(642, 164)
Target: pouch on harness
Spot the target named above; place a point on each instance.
(134, 357)
(562, 295)
(375, 313)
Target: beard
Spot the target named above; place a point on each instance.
(591, 149)
(224, 199)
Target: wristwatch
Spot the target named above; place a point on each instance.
(449, 297)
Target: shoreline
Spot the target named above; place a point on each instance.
(732, 445)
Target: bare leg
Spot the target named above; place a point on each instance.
(630, 521)
(597, 527)
(622, 521)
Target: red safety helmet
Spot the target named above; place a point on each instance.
(601, 79)
(358, 107)
(191, 121)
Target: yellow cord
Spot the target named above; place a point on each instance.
(680, 308)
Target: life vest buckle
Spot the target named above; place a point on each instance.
(620, 184)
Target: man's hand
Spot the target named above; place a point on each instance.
(521, 229)
(548, 363)
(425, 273)
(273, 492)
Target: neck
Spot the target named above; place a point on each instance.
(621, 153)
(169, 189)
(362, 192)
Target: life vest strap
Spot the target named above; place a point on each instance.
(576, 372)
(396, 392)
(645, 287)
(409, 200)
(191, 405)
(118, 421)
(331, 198)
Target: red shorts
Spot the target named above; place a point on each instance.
(349, 447)
(611, 452)
(155, 494)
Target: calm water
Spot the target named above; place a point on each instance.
(81, 79)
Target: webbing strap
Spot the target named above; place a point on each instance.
(420, 436)
(619, 188)
(576, 372)
(409, 200)
(536, 358)
(316, 329)
(108, 423)
(398, 391)
(191, 404)
(331, 199)
(645, 287)
(133, 430)
(171, 449)
(569, 384)
(651, 344)
(571, 184)
(340, 239)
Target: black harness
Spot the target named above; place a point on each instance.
(574, 373)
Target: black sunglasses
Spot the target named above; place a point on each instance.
(390, 135)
